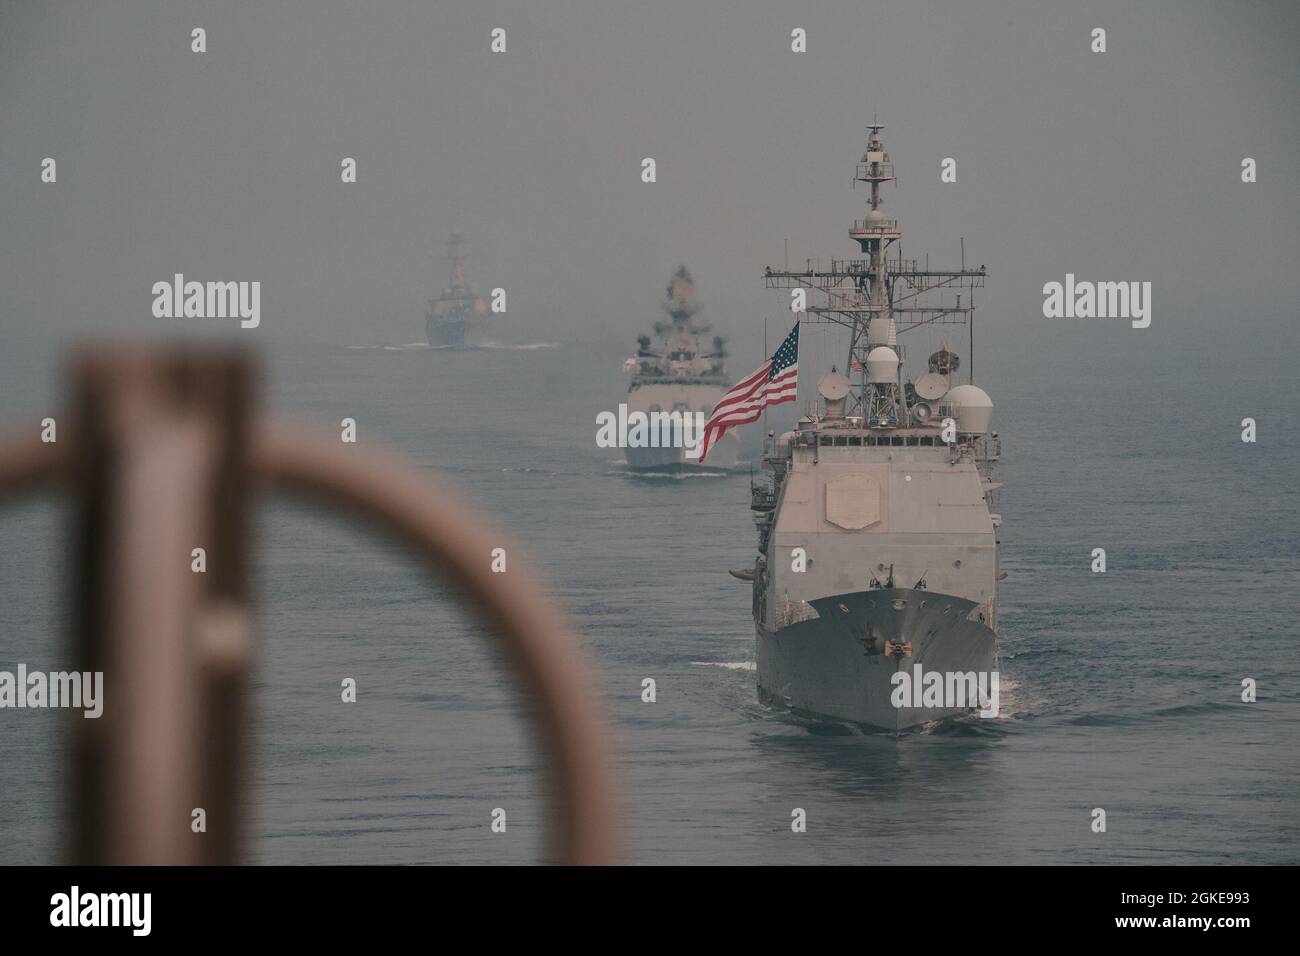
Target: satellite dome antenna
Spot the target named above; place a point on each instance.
(834, 388)
(931, 386)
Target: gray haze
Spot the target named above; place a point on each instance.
(1120, 690)
(225, 165)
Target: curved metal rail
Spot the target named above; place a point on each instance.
(396, 498)
(403, 503)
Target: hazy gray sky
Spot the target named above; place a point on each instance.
(225, 165)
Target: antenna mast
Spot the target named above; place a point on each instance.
(870, 295)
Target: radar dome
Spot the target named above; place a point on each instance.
(971, 407)
(931, 386)
(882, 364)
(833, 386)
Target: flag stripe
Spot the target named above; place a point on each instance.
(745, 389)
(758, 404)
(789, 377)
(774, 382)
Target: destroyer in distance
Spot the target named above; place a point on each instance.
(877, 537)
(458, 317)
(676, 375)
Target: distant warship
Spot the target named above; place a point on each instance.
(458, 318)
(877, 537)
(677, 375)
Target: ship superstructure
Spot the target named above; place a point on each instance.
(457, 318)
(877, 532)
(674, 373)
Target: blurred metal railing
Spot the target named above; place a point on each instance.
(164, 453)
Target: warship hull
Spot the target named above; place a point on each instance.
(467, 333)
(722, 457)
(834, 662)
(688, 398)
(889, 481)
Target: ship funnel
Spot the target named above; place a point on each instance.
(882, 365)
(834, 388)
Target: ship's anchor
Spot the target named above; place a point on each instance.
(898, 651)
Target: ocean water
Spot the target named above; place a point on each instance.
(1120, 690)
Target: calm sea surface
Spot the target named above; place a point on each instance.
(1120, 690)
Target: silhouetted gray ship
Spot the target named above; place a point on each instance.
(890, 510)
(677, 375)
(458, 318)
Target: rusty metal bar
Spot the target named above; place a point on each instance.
(28, 465)
(165, 455)
(159, 470)
(399, 499)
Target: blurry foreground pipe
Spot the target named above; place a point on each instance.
(165, 456)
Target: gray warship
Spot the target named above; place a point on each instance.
(885, 488)
(676, 374)
(457, 318)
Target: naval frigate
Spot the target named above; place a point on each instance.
(877, 530)
(674, 373)
(457, 318)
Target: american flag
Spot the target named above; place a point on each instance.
(774, 382)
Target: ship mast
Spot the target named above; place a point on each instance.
(680, 303)
(455, 252)
(865, 295)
